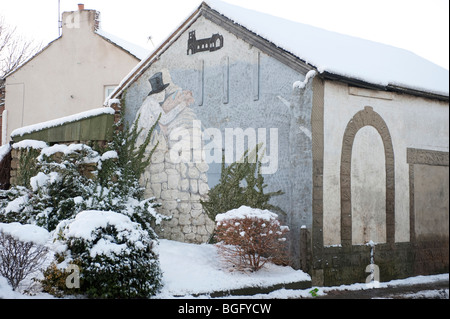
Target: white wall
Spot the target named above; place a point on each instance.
(69, 76)
(412, 122)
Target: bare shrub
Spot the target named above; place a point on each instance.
(18, 259)
(249, 242)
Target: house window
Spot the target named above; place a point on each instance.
(109, 89)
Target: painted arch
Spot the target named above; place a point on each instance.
(366, 117)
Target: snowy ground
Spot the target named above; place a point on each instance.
(196, 270)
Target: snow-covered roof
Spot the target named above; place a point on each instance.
(61, 121)
(138, 51)
(332, 54)
(340, 54)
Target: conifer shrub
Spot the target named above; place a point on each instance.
(248, 238)
(77, 177)
(69, 180)
(27, 163)
(116, 257)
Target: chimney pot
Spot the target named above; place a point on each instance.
(80, 6)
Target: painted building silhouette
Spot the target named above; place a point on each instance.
(208, 44)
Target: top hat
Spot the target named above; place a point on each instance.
(157, 83)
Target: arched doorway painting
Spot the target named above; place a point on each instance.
(360, 120)
(368, 187)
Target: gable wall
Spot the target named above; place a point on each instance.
(66, 78)
(240, 87)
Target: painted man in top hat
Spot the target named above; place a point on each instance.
(169, 101)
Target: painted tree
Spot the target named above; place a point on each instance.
(241, 183)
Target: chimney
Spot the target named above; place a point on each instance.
(82, 19)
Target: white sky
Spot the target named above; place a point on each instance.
(421, 26)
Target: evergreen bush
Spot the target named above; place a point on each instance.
(67, 180)
(116, 255)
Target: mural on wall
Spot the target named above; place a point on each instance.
(169, 100)
(209, 44)
(193, 141)
(175, 179)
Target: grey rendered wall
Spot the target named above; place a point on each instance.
(237, 86)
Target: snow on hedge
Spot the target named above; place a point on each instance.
(109, 155)
(42, 179)
(65, 149)
(26, 144)
(26, 233)
(86, 223)
(15, 205)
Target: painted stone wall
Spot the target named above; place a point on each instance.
(178, 186)
(234, 96)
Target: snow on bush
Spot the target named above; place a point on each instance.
(73, 178)
(116, 256)
(22, 251)
(248, 238)
(26, 233)
(27, 144)
(64, 186)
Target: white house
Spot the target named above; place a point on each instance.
(72, 74)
